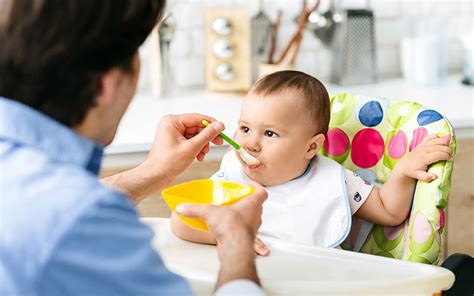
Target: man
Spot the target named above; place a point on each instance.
(68, 70)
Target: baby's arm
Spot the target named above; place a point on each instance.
(391, 204)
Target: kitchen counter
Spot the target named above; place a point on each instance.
(137, 128)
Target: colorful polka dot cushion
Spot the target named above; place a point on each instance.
(369, 135)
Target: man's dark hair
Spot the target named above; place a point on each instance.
(311, 89)
(53, 52)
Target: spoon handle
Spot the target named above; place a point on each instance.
(224, 137)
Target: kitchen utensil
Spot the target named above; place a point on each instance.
(261, 27)
(292, 48)
(166, 34)
(274, 36)
(353, 47)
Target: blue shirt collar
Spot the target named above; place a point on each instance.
(24, 125)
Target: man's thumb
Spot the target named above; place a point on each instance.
(193, 210)
(207, 135)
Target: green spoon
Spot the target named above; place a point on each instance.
(249, 159)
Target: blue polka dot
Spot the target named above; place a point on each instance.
(371, 114)
(428, 116)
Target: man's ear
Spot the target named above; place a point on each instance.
(108, 84)
(314, 145)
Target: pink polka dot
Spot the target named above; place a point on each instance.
(418, 136)
(367, 148)
(391, 233)
(337, 142)
(397, 145)
(421, 229)
(441, 218)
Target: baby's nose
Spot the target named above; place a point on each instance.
(252, 146)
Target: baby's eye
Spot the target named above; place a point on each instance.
(271, 134)
(244, 129)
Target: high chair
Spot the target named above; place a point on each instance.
(368, 136)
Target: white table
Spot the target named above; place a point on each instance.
(296, 270)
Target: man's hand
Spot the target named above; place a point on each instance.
(179, 139)
(415, 164)
(235, 229)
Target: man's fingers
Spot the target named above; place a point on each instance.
(260, 194)
(256, 199)
(194, 210)
(201, 156)
(192, 120)
(205, 149)
(218, 141)
(206, 135)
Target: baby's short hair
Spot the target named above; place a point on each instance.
(312, 90)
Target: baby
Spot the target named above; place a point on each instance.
(311, 198)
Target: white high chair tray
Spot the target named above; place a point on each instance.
(299, 270)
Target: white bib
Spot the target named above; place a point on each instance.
(312, 209)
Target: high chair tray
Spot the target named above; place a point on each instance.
(298, 270)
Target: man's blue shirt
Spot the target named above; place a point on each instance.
(62, 232)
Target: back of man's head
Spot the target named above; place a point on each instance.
(53, 52)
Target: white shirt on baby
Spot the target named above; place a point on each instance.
(313, 209)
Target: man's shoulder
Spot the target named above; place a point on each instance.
(41, 202)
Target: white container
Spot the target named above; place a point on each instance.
(467, 42)
(297, 270)
(424, 60)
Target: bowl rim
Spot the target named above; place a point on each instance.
(166, 190)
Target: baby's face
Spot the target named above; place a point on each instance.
(277, 130)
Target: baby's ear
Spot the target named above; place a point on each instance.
(314, 145)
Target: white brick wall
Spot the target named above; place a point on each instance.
(188, 46)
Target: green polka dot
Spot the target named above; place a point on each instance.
(420, 248)
(442, 204)
(382, 241)
(384, 254)
(345, 246)
(340, 159)
(400, 112)
(342, 108)
(420, 259)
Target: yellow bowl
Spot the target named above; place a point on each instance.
(206, 191)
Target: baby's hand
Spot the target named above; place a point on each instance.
(415, 164)
(260, 248)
